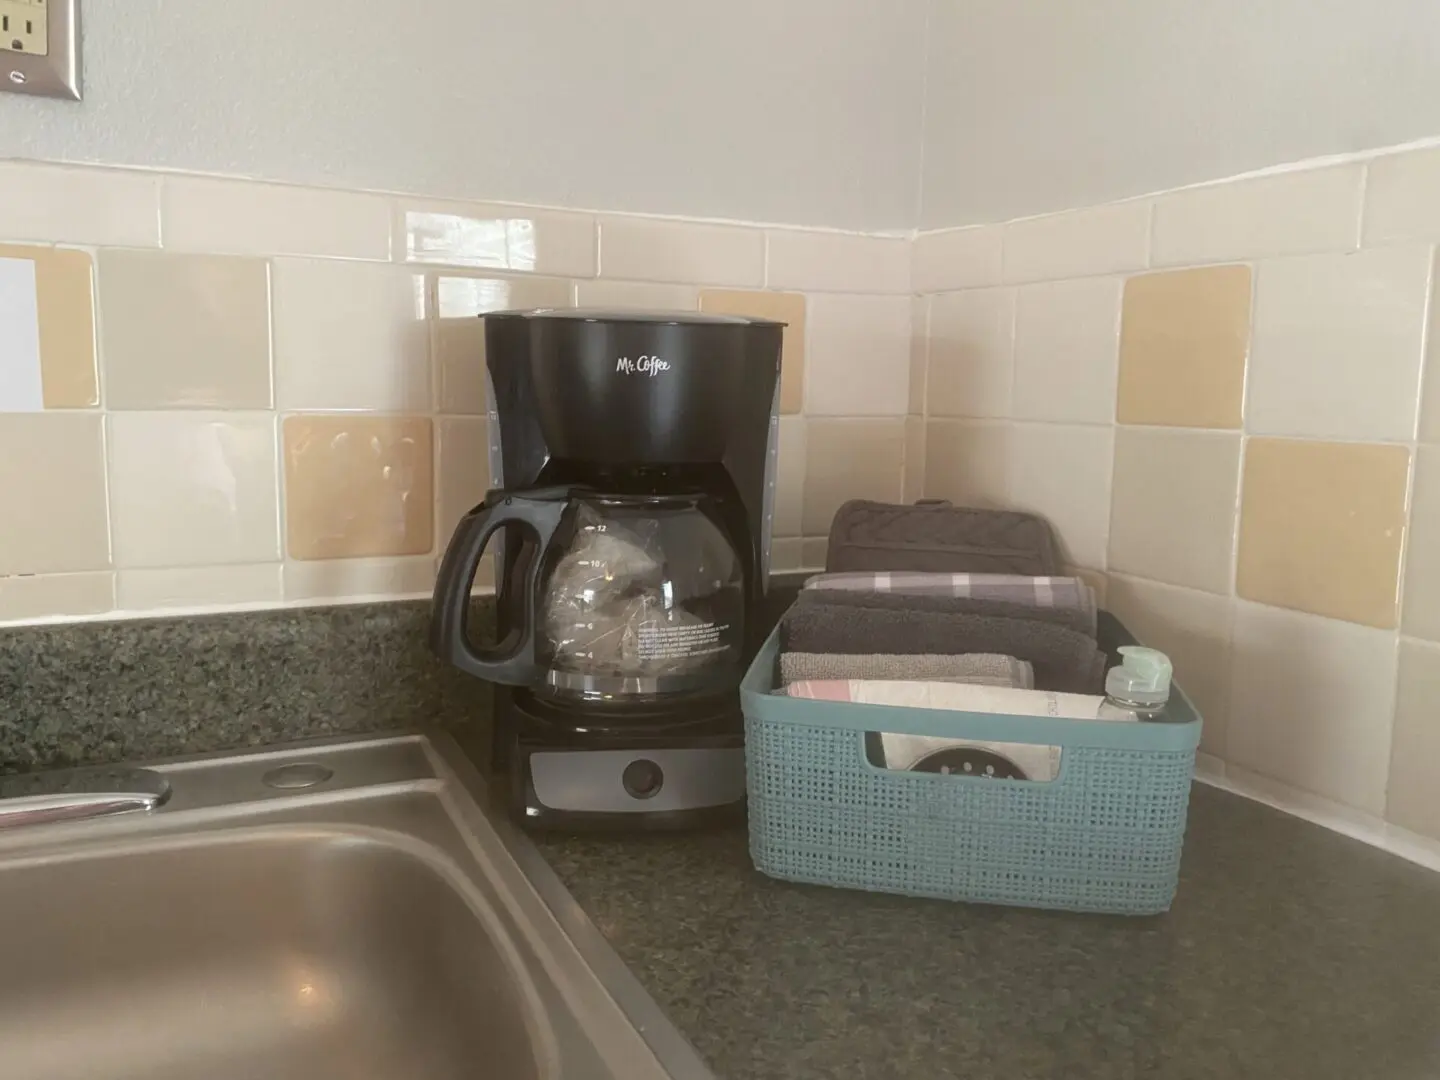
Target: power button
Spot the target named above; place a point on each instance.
(643, 778)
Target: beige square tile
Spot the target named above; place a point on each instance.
(1311, 702)
(655, 249)
(497, 237)
(967, 462)
(64, 297)
(1064, 473)
(193, 489)
(185, 331)
(197, 587)
(1321, 527)
(1338, 344)
(1193, 629)
(812, 552)
(44, 596)
(1291, 214)
(785, 554)
(463, 460)
(349, 579)
(850, 459)
(1413, 800)
(66, 205)
(52, 486)
(858, 355)
(1067, 343)
(790, 477)
(636, 296)
(358, 486)
(457, 336)
(1184, 339)
(1400, 201)
(972, 353)
(242, 217)
(957, 259)
(788, 308)
(1173, 509)
(1078, 243)
(913, 487)
(919, 353)
(815, 261)
(350, 335)
(1421, 612)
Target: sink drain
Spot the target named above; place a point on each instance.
(300, 775)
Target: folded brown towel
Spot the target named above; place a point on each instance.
(1081, 619)
(981, 669)
(1063, 659)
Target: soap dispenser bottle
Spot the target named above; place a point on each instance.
(1139, 688)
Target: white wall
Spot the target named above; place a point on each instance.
(1038, 105)
(795, 111)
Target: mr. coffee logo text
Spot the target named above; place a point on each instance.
(646, 365)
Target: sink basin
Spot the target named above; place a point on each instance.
(373, 924)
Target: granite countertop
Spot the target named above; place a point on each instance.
(1291, 951)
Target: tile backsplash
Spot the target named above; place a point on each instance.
(253, 394)
(1219, 397)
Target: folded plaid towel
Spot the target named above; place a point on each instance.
(1075, 618)
(978, 669)
(1016, 588)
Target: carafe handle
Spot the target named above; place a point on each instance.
(513, 661)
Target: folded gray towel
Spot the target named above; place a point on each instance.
(1080, 618)
(979, 669)
(1063, 659)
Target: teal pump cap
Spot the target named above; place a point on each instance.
(1143, 676)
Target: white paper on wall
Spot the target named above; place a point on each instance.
(20, 385)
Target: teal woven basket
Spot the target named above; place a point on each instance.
(1103, 836)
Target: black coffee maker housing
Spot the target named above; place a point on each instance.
(630, 405)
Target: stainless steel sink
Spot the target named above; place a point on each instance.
(372, 923)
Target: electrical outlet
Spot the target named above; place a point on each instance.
(40, 47)
(23, 26)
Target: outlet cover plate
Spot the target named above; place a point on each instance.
(56, 72)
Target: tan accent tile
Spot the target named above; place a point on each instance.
(913, 487)
(350, 335)
(341, 579)
(966, 462)
(817, 261)
(1311, 702)
(1063, 472)
(52, 489)
(971, 370)
(1291, 214)
(65, 303)
(1193, 629)
(690, 253)
(1321, 527)
(1078, 243)
(40, 596)
(1421, 613)
(790, 477)
(1338, 345)
(1067, 342)
(457, 335)
(919, 354)
(485, 236)
(813, 551)
(1172, 515)
(243, 217)
(67, 205)
(788, 308)
(462, 457)
(857, 347)
(185, 331)
(1413, 801)
(636, 296)
(193, 488)
(850, 459)
(358, 486)
(1183, 342)
(196, 586)
(957, 259)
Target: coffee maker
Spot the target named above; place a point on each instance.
(633, 463)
